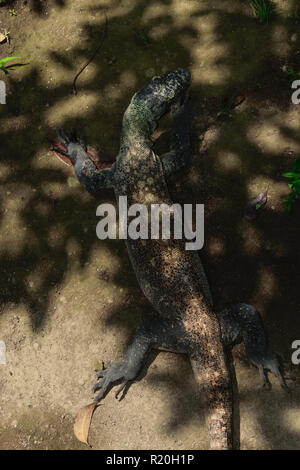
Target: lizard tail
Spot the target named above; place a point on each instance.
(217, 395)
(212, 374)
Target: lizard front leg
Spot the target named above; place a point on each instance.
(87, 173)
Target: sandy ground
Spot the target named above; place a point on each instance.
(69, 301)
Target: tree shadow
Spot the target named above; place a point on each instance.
(36, 6)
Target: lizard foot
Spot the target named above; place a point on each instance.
(243, 322)
(270, 362)
(66, 149)
(119, 371)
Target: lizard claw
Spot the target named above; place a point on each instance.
(123, 385)
(114, 373)
(59, 150)
(267, 386)
(270, 362)
(62, 136)
(73, 146)
(73, 134)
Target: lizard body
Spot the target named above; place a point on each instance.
(172, 278)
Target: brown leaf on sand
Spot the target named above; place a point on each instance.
(254, 205)
(238, 99)
(82, 422)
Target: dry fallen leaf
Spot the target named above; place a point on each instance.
(254, 205)
(82, 422)
(238, 99)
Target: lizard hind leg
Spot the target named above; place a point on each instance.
(115, 372)
(156, 333)
(127, 370)
(242, 322)
(271, 363)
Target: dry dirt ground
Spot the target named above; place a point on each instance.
(68, 300)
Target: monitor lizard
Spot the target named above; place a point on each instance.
(183, 319)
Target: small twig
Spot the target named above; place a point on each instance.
(74, 89)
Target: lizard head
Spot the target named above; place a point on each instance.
(140, 120)
(155, 99)
(147, 106)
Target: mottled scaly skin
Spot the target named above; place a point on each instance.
(167, 273)
(171, 277)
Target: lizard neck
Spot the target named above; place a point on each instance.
(135, 152)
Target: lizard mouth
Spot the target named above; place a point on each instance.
(100, 159)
